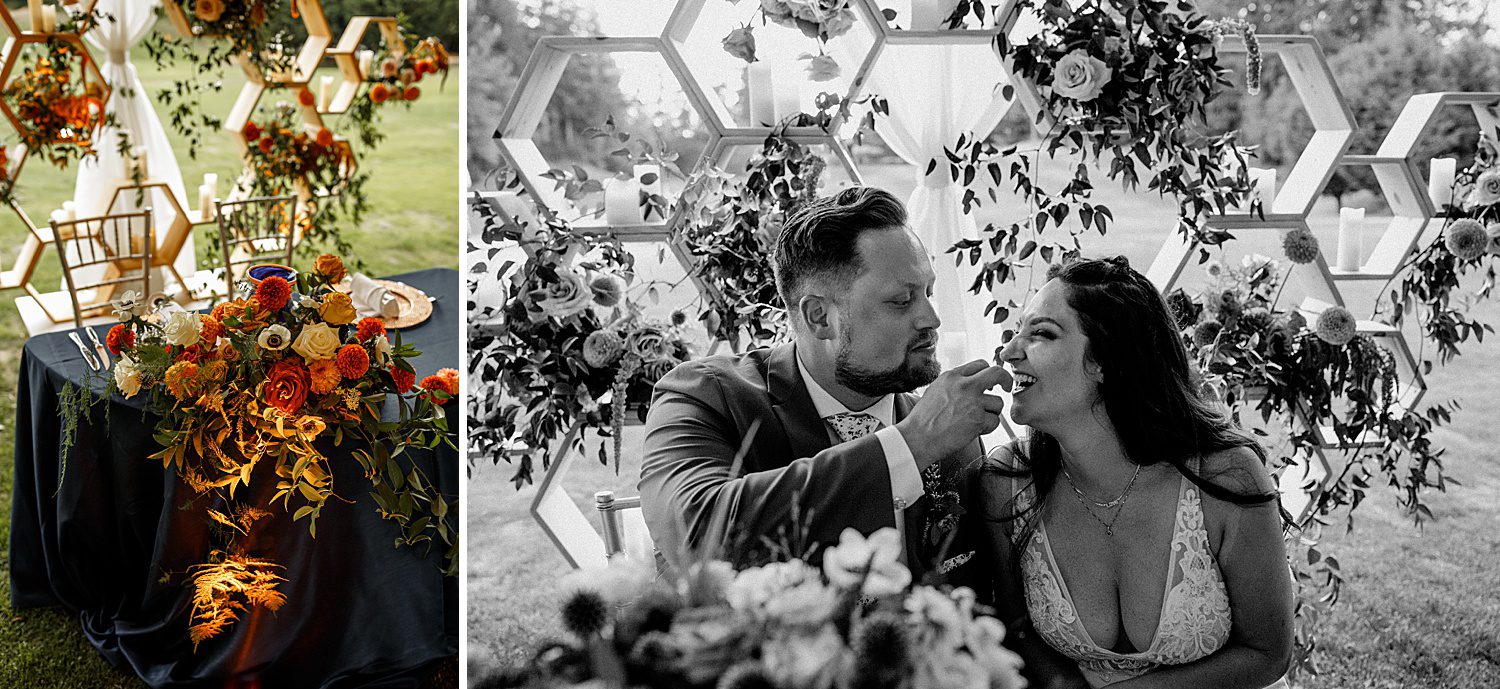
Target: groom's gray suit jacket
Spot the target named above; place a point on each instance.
(693, 499)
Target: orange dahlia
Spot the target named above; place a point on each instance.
(368, 328)
(119, 339)
(182, 380)
(353, 361)
(212, 329)
(412, 93)
(325, 137)
(379, 93)
(306, 98)
(273, 292)
(445, 380)
(325, 376)
(404, 379)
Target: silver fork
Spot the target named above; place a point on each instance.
(88, 357)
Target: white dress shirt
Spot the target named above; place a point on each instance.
(906, 479)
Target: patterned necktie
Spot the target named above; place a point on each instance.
(852, 425)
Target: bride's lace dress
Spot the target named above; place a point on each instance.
(1195, 615)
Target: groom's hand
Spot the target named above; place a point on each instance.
(954, 411)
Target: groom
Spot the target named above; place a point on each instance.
(832, 436)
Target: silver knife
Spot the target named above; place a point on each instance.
(88, 357)
(99, 348)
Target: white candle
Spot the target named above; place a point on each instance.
(1263, 185)
(34, 9)
(931, 15)
(206, 201)
(1440, 182)
(1350, 249)
(622, 202)
(788, 94)
(59, 217)
(325, 92)
(49, 19)
(17, 155)
(69, 211)
(366, 60)
(758, 88)
(211, 181)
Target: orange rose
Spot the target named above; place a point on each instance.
(287, 384)
(325, 137)
(306, 98)
(337, 309)
(331, 267)
(251, 132)
(265, 145)
(412, 93)
(208, 10)
(379, 93)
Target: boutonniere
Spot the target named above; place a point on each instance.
(947, 507)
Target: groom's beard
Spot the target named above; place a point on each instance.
(910, 375)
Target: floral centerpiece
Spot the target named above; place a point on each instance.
(59, 107)
(263, 388)
(569, 347)
(396, 74)
(784, 625)
(285, 154)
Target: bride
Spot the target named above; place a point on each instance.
(1142, 530)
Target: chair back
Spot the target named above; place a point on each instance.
(616, 514)
(102, 254)
(262, 229)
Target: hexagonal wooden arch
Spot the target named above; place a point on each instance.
(16, 45)
(528, 104)
(344, 55)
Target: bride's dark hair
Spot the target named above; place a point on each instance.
(1148, 389)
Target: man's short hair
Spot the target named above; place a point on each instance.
(819, 240)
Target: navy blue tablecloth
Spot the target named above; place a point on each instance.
(113, 538)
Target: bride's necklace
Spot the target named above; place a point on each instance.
(1109, 526)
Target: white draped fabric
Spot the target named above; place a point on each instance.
(132, 108)
(936, 94)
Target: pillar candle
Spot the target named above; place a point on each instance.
(211, 181)
(34, 9)
(1350, 249)
(787, 92)
(69, 211)
(17, 155)
(622, 202)
(931, 15)
(1440, 182)
(366, 60)
(49, 19)
(758, 89)
(206, 201)
(1263, 185)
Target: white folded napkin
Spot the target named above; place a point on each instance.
(372, 298)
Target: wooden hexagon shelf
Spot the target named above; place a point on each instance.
(90, 78)
(1411, 213)
(345, 55)
(8, 19)
(528, 104)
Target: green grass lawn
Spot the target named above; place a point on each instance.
(412, 224)
(1421, 608)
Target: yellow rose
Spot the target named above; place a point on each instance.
(337, 309)
(317, 342)
(331, 266)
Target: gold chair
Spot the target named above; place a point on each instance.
(262, 229)
(101, 254)
(615, 514)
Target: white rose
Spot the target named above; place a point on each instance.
(316, 342)
(949, 671)
(383, 350)
(128, 376)
(941, 624)
(182, 328)
(1000, 663)
(569, 296)
(274, 338)
(1486, 190)
(753, 588)
(876, 559)
(1080, 76)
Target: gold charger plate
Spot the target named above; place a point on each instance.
(416, 308)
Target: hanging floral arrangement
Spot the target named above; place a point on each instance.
(58, 102)
(396, 73)
(284, 154)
